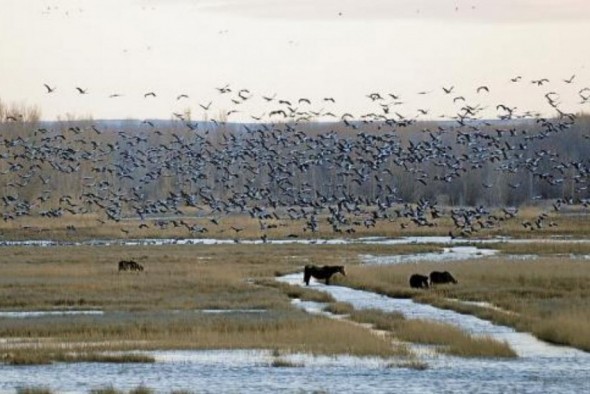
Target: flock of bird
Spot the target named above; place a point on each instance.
(346, 173)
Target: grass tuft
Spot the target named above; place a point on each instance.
(339, 308)
(450, 339)
(33, 390)
(282, 363)
(141, 389)
(412, 364)
(106, 390)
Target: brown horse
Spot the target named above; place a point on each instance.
(437, 277)
(324, 272)
(129, 265)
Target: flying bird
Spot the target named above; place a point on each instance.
(81, 91)
(242, 94)
(152, 94)
(224, 89)
(539, 82)
(570, 80)
(375, 96)
(49, 88)
(448, 90)
(206, 107)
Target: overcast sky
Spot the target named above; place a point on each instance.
(344, 49)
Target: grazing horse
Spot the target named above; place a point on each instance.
(418, 281)
(129, 265)
(437, 277)
(324, 272)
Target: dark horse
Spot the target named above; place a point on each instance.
(324, 272)
(418, 281)
(437, 277)
(129, 265)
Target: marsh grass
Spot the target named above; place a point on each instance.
(106, 390)
(141, 389)
(339, 308)
(48, 355)
(158, 308)
(92, 226)
(544, 248)
(549, 296)
(412, 364)
(33, 390)
(289, 332)
(282, 363)
(570, 326)
(449, 339)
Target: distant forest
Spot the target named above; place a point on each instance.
(135, 167)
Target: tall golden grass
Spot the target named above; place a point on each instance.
(159, 307)
(548, 296)
(93, 225)
(450, 339)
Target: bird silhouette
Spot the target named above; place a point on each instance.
(570, 79)
(49, 88)
(206, 107)
(539, 82)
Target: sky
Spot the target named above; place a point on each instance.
(345, 49)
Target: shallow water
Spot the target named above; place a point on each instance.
(251, 372)
(336, 241)
(540, 367)
(63, 312)
(454, 253)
